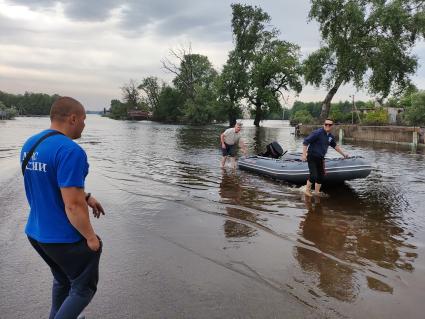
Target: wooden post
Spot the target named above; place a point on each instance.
(415, 139)
(341, 136)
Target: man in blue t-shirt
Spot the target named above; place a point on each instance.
(316, 145)
(58, 225)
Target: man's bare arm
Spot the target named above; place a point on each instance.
(222, 140)
(77, 211)
(340, 151)
(304, 154)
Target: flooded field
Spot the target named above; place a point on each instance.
(185, 239)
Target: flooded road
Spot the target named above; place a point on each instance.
(185, 239)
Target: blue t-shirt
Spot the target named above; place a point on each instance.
(57, 162)
(318, 142)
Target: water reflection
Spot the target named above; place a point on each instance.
(335, 279)
(232, 193)
(263, 136)
(352, 240)
(199, 137)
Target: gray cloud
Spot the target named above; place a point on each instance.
(80, 10)
(197, 19)
(128, 38)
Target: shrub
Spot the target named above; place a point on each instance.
(302, 116)
(377, 117)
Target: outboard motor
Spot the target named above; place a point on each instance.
(273, 150)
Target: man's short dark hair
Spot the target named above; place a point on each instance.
(329, 119)
(64, 107)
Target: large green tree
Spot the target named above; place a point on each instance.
(195, 80)
(193, 71)
(170, 107)
(263, 66)
(230, 86)
(365, 42)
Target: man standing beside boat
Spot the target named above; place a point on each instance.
(229, 139)
(315, 147)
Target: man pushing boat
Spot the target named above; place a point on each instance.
(229, 139)
(315, 147)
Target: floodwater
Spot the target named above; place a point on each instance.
(185, 239)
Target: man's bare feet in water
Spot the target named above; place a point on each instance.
(306, 191)
(320, 194)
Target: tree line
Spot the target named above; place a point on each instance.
(26, 104)
(366, 43)
(410, 107)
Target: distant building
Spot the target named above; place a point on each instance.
(139, 115)
(394, 114)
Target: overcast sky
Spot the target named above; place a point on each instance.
(88, 49)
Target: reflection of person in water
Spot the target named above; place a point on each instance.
(335, 279)
(231, 192)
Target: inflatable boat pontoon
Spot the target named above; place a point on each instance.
(291, 169)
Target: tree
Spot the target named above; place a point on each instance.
(7, 112)
(152, 87)
(170, 107)
(201, 109)
(415, 110)
(302, 116)
(366, 42)
(313, 108)
(342, 112)
(131, 95)
(118, 110)
(29, 103)
(195, 80)
(230, 86)
(193, 71)
(264, 65)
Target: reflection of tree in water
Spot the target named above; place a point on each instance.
(199, 137)
(208, 137)
(345, 227)
(261, 137)
(233, 193)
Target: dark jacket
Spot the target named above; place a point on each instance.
(318, 142)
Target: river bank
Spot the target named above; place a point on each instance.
(398, 135)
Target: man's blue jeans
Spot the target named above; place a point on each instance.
(75, 269)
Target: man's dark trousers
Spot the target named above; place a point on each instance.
(316, 168)
(75, 269)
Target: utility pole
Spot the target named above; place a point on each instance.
(354, 109)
